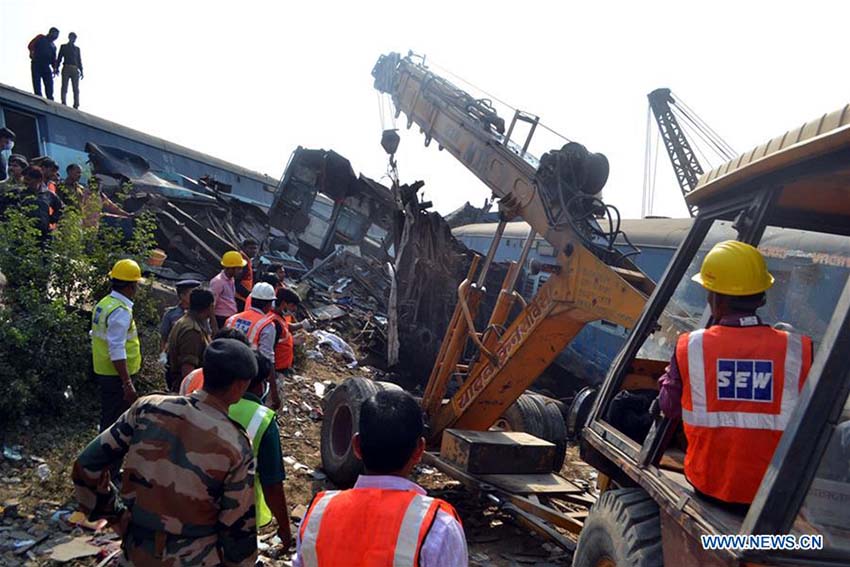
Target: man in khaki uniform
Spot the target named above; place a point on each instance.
(187, 496)
(188, 338)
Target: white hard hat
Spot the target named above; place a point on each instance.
(263, 291)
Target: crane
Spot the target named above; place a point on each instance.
(558, 196)
(673, 117)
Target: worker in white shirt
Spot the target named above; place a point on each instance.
(385, 519)
(116, 352)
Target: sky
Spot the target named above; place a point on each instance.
(250, 81)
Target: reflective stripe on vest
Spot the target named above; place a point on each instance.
(101, 360)
(700, 416)
(310, 529)
(408, 542)
(250, 322)
(255, 418)
(192, 382)
(382, 527)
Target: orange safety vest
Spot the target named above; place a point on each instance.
(192, 382)
(739, 388)
(284, 349)
(368, 527)
(247, 280)
(251, 322)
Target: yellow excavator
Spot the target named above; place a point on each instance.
(646, 512)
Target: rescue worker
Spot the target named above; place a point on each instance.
(735, 383)
(262, 428)
(115, 346)
(189, 338)
(187, 493)
(173, 313)
(385, 519)
(258, 326)
(245, 281)
(223, 286)
(194, 380)
(259, 422)
(285, 328)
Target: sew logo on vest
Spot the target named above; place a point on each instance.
(242, 325)
(750, 380)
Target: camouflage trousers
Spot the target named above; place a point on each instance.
(143, 548)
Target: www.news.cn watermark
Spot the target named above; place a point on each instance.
(762, 542)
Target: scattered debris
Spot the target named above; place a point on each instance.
(74, 549)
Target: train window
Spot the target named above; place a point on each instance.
(810, 270)
(25, 128)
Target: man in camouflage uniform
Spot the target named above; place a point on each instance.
(187, 496)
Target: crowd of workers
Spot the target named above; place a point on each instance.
(196, 486)
(45, 64)
(33, 184)
(190, 485)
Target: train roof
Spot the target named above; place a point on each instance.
(649, 231)
(811, 187)
(668, 233)
(39, 105)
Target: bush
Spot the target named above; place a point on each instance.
(45, 314)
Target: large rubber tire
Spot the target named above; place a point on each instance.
(342, 415)
(523, 415)
(623, 529)
(555, 429)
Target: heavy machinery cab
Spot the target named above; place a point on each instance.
(797, 184)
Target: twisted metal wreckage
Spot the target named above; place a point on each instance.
(354, 246)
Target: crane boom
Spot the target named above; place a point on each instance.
(682, 156)
(551, 194)
(557, 197)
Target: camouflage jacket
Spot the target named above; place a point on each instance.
(187, 486)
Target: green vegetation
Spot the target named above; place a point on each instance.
(45, 308)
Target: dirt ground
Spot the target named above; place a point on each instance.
(29, 504)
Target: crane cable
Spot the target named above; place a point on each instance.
(730, 151)
(492, 96)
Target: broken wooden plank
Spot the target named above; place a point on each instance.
(548, 483)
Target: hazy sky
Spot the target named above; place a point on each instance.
(249, 81)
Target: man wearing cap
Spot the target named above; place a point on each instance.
(735, 383)
(7, 142)
(257, 323)
(116, 350)
(187, 493)
(188, 339)
(173, 313)
(17, 165)
(223, 286)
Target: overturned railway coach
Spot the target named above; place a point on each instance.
(44, 127)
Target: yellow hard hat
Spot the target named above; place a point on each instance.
(734, 268)
(126, 270)
(233, 259)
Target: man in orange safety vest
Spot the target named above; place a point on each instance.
(385, 519)
(735, 383)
